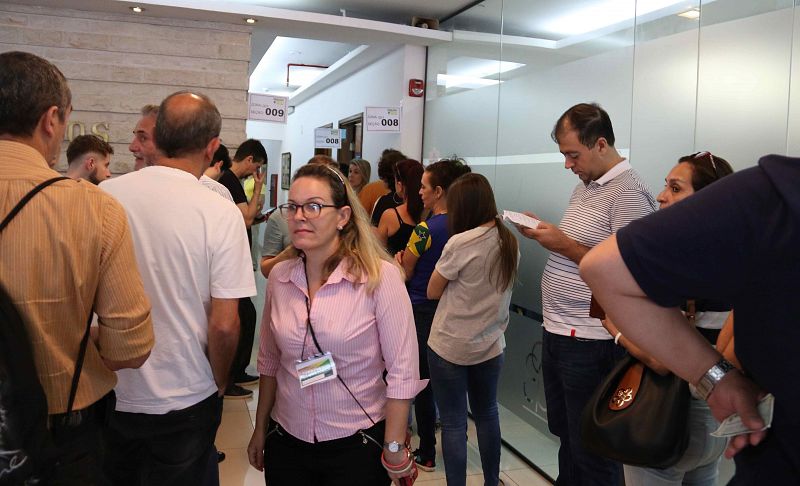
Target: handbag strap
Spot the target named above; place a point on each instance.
(85, 340)
(691, 311)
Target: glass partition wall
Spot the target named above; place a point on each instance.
(676, 77)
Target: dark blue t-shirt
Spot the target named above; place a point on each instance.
(738, 241)
(427, 242)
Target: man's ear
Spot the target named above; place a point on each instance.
(88, 163)
(601, 144)
(211, 148)
(49, 120)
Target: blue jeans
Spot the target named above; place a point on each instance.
(452, 384)
(699, 465)
(572, 368)
(423, 403)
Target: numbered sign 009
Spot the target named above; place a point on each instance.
(268, 108)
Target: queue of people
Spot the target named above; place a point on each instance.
(381, 297)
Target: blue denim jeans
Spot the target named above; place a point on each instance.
(452, 384)
(424, 407)
(572, 368)
(699, 465)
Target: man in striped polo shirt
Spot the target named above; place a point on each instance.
(578, 351)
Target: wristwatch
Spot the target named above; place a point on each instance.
(392, 446)
(713, 376)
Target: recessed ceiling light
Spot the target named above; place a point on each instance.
(250, 20)
(137, 9)
(690, 14)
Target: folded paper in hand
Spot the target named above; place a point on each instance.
(733, 425)
(520, 219)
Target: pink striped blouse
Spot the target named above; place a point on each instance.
(366, 333)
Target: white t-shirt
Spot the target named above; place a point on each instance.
(216, 187)
(473, 314)
(190, 246)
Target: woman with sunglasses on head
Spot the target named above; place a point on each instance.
(473, 278)
(418, 260)
(335, 317)
(699, 464)
(397, 224)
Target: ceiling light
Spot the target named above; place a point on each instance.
(137, 9)
(692, 14)
(299, 76)
(468, 82)
(603, 14)
(250, 20)
(480, 68)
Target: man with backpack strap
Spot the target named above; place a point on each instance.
(65, 253)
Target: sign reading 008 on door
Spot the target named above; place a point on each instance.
(328, 138)
(268, 108)
(383, 119)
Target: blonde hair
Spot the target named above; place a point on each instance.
(358, 243)
(366, 171)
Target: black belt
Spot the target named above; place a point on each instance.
(78, 417)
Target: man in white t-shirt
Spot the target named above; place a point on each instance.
(195, 263)
(220, 162)
(577, 351)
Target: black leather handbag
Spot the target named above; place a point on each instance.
(638, 417)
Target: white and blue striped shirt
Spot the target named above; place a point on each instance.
(595, 212)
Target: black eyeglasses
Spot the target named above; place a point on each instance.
(311, 210)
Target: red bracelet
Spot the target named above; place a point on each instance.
(401, 468)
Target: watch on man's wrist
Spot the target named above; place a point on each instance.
(713, 376)
(393, 446)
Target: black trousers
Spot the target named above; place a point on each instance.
(350, 461)
(171, 449)
(247, 320)
(77, 454)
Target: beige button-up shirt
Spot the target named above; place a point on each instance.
(68, 251)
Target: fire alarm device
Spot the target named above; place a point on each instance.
(416, 87)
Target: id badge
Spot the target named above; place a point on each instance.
(317, 369)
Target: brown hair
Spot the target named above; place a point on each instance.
(409, 173)
(358, 242)
(445, 171)
(589, 121)
(470, 203)
(706, 168)
(83, 144)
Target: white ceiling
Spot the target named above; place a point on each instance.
(395, 11)
(270, 74)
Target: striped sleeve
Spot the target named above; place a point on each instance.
(630, 205)
(397, 335)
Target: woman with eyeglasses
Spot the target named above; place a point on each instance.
(699, 465)
(335, 317)
(397, 224)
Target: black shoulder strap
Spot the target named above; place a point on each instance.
(85, 341)
(25, 199)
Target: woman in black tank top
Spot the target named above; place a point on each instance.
(395, 229)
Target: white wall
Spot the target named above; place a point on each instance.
(383, 83)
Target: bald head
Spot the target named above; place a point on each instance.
(187, 123)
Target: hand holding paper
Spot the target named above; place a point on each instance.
(520, 219)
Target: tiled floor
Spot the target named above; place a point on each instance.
(238, 417)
